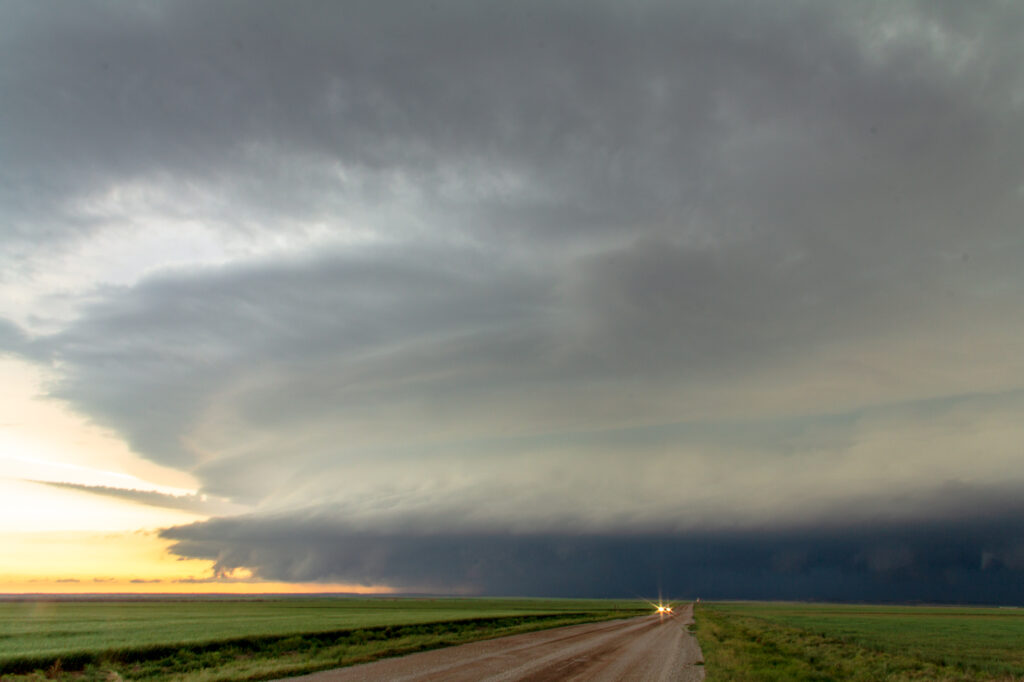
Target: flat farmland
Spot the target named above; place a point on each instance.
(204, 638)
(783, 641)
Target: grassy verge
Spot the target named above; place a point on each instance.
(828, 642)
(270, 656)
(63, 627)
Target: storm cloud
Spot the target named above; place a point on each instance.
(462, 285)
(970, 558)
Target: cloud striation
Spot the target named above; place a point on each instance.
(533, 298)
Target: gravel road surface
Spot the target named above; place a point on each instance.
(648, 648)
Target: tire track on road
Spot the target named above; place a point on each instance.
(648, 648)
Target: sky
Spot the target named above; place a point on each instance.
(712, 298)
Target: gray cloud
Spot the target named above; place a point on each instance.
(951, 557)
(12, 339)
(194, 503)
(526, 268)
(174, 342)
(609, 119)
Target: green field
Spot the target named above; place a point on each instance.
(783, 641)
(229, 639)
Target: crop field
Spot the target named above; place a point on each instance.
(222, 639)
(783, 641)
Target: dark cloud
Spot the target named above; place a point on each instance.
(147, 360)
(464, 262)
(527, 117)
(970, 558)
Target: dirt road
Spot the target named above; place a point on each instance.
(650, 648)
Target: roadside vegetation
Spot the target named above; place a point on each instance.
(794, 642)
(205, 639)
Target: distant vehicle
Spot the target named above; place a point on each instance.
(662, 608)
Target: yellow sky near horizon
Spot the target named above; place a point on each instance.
(129, 561)
(67, 562)
(63, 541)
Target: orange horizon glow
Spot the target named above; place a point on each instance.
(58, 541)
(63, 542)
(126, 588)
(136, 562)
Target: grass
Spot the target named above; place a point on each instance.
(766, 641)
(218, 639)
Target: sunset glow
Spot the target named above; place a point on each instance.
(59, 540)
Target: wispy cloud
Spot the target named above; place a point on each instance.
(196, 503)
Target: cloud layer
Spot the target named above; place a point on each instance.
(421, 276)
(970, 557)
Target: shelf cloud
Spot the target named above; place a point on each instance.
(500, 297)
